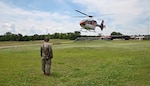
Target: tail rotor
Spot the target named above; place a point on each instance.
(102, 26)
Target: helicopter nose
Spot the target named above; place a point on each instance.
(82, 23)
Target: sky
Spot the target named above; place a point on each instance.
(29, 17)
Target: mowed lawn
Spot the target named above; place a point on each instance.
(84, 63)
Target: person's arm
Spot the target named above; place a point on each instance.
(50, 52)
(41, 51)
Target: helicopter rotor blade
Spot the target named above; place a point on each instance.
(80, 16)
(84, 13)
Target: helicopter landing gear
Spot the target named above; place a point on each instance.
(83, 30)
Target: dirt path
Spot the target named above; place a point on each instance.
(2, 47)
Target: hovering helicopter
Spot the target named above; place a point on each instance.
(90, 24)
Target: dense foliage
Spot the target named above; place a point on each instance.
(8, 36)
(116, 33)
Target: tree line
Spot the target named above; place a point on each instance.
(8, 36)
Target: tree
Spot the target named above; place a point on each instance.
(20, 37)
(8, 33)
(27, 38)
(56, 35)
(77, 33)
(116, 33)
(35, 37)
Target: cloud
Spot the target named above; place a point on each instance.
(32, 22)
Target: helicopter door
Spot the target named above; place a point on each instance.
(90, 26)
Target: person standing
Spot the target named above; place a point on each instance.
(46, 55)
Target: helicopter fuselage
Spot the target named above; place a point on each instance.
(88, 24)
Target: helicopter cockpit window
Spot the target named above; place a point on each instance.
(89, 22)
(94, 21)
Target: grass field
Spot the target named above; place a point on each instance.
(84, 63)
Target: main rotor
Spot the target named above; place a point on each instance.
(90, 16)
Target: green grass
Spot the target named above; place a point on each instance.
(86, 63)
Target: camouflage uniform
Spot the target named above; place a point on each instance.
(47, 55)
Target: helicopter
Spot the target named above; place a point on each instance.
(90, 24)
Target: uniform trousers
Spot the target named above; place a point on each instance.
(46, 66)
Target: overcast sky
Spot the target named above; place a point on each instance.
(29, 17)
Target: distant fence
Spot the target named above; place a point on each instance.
(112, 37)
(147, 37)
(86, 38)
(125, 37)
